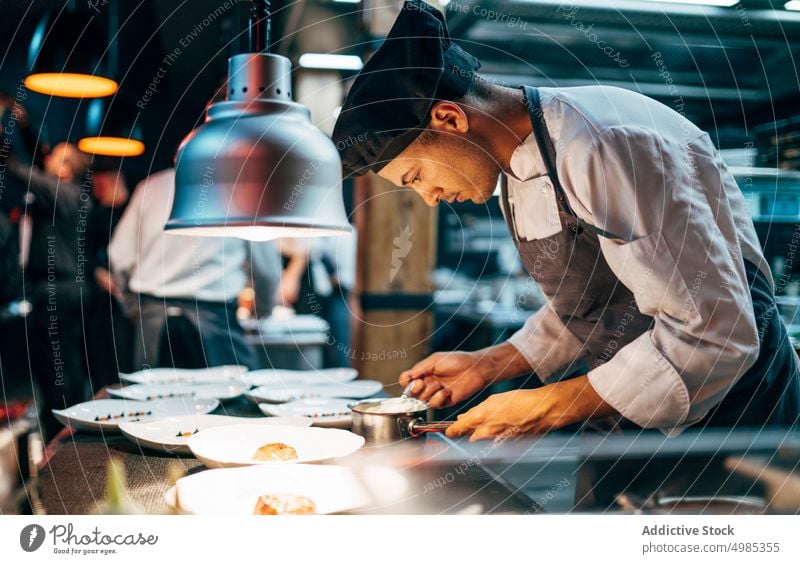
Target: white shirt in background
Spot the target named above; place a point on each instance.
(165, 265)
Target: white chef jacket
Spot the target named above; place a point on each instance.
(631, 166)
(166, 265)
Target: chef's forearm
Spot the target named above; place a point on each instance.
(575, 401)
(502, 362)
(547, 344)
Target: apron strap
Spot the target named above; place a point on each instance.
(548, 152)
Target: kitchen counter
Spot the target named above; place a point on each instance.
(72, 475)
(567, 472)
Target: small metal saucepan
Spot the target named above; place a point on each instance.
(385, 428)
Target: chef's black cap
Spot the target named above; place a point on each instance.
(389, 103)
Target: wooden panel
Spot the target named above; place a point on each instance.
(391, 342)
(396, 255)
(397, 238)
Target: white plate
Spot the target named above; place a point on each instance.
(235, 491)
(234, 445)
(358, 389)
(212, 374)
(165, 434)
(325, 412)
(107, 414)
(219, 390)
(274, 377)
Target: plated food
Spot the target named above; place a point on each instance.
(284, 488)
(171, 434)
(222, 391)
(275, 451)
(284, 504)
(108, 414)
(237, 445)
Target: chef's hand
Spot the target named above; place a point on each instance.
(444, 379)
(531, 411)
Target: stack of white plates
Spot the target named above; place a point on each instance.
(211, 375)
(279, 377)
(358, 389)
(222, 391)
(322, 395)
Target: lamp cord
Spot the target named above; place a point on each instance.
(259, 27)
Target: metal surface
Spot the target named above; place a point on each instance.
(418, 427)
(257, 168)
(259, 31)
(389, 428)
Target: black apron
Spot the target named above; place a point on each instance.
(602, 313)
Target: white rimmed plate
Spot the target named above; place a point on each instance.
(357, 389)
(235, 491)
(275, 377)
(324, 412)
(212, 374)
(217, 390)
(107, 414)
(235, 445)
(170, 433)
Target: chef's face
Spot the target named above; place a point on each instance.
(446, 162)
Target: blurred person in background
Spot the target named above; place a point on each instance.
(193, 282)
(263, 270)
(58, 202)
(318, 278)
(108, 324)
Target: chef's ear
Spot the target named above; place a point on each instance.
(448, 117)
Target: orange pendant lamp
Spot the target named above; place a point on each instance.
(66, 56)
(112, 128)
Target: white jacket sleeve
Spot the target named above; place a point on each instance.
(681, 258)
(546, 343)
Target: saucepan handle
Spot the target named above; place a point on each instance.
(417, 427)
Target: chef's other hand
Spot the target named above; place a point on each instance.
(531, 411)
(444, 379)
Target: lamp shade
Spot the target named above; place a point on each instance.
(257, 168)
(112, 128)
(66, 57)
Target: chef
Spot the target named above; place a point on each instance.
(622, 211)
